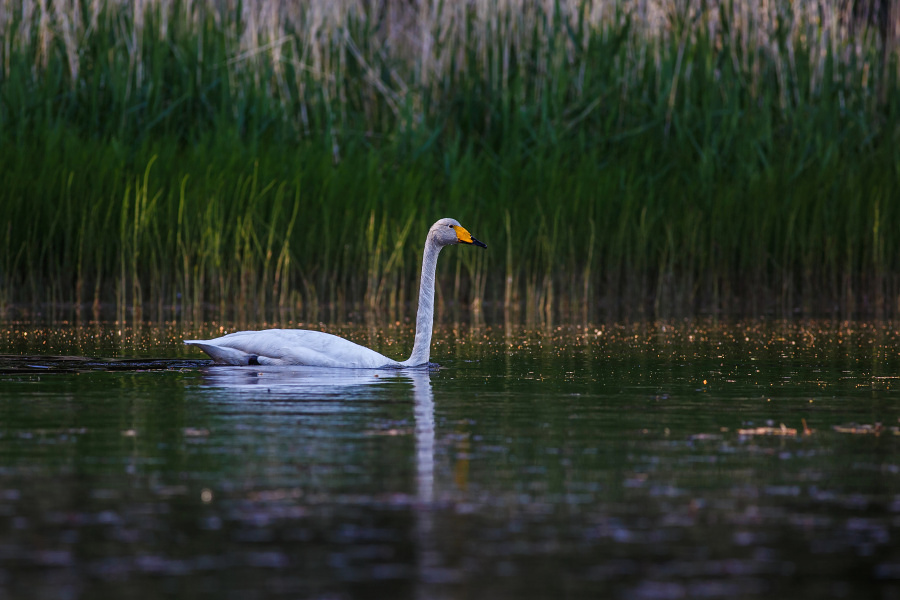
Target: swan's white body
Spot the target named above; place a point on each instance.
(319, 349)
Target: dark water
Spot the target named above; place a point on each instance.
(678, 460)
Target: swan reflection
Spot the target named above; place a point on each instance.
(329, 389)
(298, 382)
(315, 383)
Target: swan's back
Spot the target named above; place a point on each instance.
(291, 347)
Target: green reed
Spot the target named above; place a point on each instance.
(195, 157)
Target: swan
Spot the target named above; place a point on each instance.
(320, 349)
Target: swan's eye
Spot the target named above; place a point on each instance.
(450, 226)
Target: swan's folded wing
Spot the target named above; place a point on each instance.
(291, 347)
(221, 354)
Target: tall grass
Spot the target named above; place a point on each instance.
(632, 157)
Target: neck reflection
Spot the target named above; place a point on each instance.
(423, 398)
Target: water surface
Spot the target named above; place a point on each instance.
(663, 460)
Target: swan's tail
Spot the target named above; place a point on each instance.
(224, 355)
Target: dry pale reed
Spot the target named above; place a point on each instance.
(409, 48)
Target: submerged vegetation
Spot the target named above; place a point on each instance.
(618, 157)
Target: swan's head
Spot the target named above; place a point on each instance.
(448, 231)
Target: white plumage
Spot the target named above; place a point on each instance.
(319, 349)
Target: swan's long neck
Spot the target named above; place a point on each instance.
(425, 316)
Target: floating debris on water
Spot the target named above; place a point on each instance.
(782, 431)
(866, 429)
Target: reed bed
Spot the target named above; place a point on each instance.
(619, 158)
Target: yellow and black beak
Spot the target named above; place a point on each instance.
(464, 237)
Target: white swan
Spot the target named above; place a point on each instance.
(319, 349)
